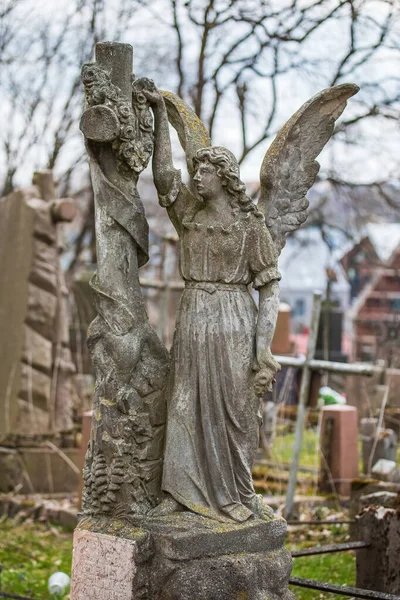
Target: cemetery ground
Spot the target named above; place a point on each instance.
(31, 551)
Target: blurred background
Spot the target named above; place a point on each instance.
(244, 66)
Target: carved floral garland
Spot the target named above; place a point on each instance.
(134, 143)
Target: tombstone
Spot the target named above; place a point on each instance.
(339, 439)
(386, 470)
(382, 443)
(169, 510)
(378, 564)
(330, 325)
(36, 387)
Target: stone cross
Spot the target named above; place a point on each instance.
(309, 364)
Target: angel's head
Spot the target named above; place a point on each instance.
(216, 170)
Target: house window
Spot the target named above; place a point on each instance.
(299, 308)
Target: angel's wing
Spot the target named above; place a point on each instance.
(192, 133)
(289, 167)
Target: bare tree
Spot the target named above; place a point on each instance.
(40, 82)
(249, 50)
(244, 66)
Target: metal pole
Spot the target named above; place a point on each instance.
(330, 548)
(341, 590)
(303, 397)
(335, 367)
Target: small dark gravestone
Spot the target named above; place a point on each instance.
(169, 509)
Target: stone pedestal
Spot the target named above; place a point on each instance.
(378, 565)
(180, 557)
(339, 437)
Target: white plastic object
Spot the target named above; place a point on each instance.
(58, 583)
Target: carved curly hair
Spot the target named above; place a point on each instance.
(228, 171)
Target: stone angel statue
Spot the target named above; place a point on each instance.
(221, 361)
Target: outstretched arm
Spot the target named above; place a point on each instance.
(163, 168)
(267, 316)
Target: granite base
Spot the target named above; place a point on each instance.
(180, 557)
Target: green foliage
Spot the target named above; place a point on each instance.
(282, 450)
(336, 568)
(30, 553)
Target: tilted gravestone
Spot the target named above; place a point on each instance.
(169, 509)
(36, 390)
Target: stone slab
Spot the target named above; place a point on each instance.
(103, 567)
(342, 459)
(386, 470)
(187, 536)
(16, 254)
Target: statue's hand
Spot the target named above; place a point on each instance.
(152, 93)
(267, 367)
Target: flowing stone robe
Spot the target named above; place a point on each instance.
(213, 413)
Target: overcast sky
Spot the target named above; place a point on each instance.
(376, 158)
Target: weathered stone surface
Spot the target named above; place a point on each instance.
(211, 437)
(41, 312)
(155, 449)
(229, 577)
(361, 488)
(35, 386)
(16, 227)
(378, 565)
(103, 567)
(188, 536)
(44, 226)
(37, 351)
(212, 393)
(44, 269)
(156, 408)
(100, 124)
(33, 314)
(384, 498)
(31, 418)
(123, 466)
(233, 567)
(386, 470)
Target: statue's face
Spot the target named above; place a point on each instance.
(208, 183)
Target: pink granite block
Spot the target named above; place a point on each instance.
(103, 567)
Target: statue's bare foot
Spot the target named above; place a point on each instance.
(168, 506)
(260, 509)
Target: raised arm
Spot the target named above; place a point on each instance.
(163, 168)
